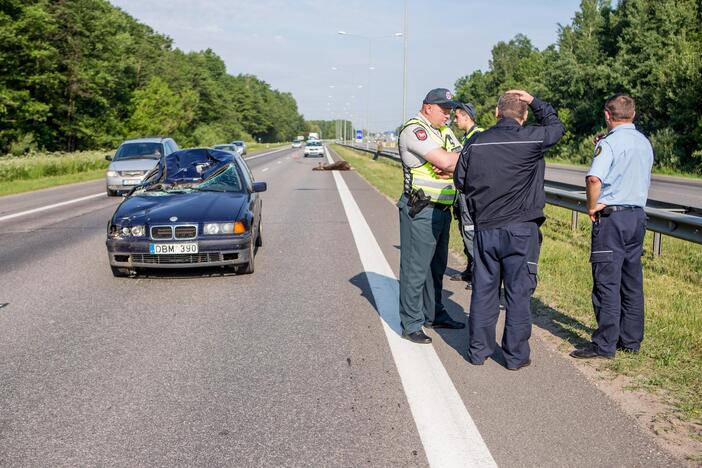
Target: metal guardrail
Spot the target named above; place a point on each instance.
(670, 221)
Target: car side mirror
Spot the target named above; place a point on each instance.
(108, 157)
(260, 186)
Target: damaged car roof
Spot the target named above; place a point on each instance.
(193, 165)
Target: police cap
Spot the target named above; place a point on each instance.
(441, 97)
(468, 108)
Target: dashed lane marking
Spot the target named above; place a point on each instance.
(448, 433)
(264, 169)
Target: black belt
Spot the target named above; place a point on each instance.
(609, 209)
(440, 206)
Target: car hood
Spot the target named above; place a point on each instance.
(186, 207)
(133, 165)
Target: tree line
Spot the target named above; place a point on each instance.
(649, 49)
(83, 74)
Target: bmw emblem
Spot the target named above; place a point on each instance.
(173, 218)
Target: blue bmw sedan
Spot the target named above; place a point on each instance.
(198, 207)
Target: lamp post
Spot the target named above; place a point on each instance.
(370, 68)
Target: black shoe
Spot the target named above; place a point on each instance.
(463, 276)
(524, 364)
(452, 324)
(475, 363)
(624, 349)
(417, 337)
(589, 353)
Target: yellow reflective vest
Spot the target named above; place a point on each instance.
(424, 177)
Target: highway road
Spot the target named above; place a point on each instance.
(677, 190)
(298, 364)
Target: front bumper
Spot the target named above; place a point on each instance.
(124, 253)
(122, 184)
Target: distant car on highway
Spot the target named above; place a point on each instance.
(297, 144)
(228, 147)
(133, 160)
(199, 207)
(241, 146)
(314, 148)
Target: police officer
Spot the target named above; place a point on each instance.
(617, 188)
(501, 172)
(465, 120)
(425, 215)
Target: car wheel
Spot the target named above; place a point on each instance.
(259, 239)
(248, 267)
(111, 193)
(118, 272)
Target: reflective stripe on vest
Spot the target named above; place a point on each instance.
(424, 177)
(450, 141)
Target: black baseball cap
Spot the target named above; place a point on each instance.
(441, 97)
(468, 108)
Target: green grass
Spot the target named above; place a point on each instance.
(670, 361)
(26, 173)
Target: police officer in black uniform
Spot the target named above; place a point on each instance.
(501, 172)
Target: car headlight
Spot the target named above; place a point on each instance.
(225, 228)
(126, 231)
(211, 228)
(112, 173)
(138, 231)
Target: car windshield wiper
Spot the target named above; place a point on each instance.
(208, 189)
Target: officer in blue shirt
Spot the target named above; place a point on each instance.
(617, 188)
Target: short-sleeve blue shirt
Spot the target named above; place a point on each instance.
(623, 161)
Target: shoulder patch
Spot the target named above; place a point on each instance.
(598, 150)
(421, 134)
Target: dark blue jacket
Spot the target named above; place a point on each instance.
(501, 170)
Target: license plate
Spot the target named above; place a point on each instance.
(131, 182)
(184, 248)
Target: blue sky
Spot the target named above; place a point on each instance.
(294, 45)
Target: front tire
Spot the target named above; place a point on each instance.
(111, 193)
(259, 239)
(248, 267)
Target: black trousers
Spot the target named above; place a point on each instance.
(617, 280)
(510, 254)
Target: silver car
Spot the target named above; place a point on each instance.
(133, 159)
(241, 146)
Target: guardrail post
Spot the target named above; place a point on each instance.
(574, 220)
(657, 241)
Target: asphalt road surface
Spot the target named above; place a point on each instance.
(676, 190)
(298, 364)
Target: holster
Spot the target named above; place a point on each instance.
(417, 201)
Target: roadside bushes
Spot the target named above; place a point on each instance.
(40, 165)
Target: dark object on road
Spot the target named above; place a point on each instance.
(337, 166)
(198, 207)
(418, 337)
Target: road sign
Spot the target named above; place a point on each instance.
(359, 134)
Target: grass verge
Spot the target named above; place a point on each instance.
(670, 361)
(26, 173)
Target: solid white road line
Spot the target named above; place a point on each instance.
(76, 200)
(264, 169)
(448, 433)
(49, 207)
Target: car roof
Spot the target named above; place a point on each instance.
(146, 140)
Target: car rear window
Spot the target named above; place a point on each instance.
(314, 143)
(139, 151)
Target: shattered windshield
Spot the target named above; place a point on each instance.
(225, 180)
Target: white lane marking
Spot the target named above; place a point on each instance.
(49, 207)
(448, 433)
(265, 154)
(280, 162)
(264, 169)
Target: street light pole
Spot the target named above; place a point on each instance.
(370, 68)
(404, 66)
